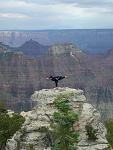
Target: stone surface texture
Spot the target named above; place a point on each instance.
(41, 116)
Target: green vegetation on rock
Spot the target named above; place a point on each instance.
(64, 135)
(8, 125)
(91, 132)
(2, 107)
(109, 127)
(31, 147)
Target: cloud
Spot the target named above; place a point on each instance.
(47, 14)
(13, 15)
(80, 3)
(15, 4)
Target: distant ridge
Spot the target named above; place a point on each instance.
(33, 48)
(90, 40)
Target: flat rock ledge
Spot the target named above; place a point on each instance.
(41, 115)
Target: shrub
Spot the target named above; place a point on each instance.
(2, 107)
(109, 127)
(8, 126)
(31, 147)
(64, 135)
(91, 132)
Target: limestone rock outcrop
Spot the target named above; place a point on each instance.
(41, 115)
(67, 48)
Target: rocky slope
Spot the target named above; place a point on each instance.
(41, 116)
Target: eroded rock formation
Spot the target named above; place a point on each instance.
(41, 115)
(20, 75)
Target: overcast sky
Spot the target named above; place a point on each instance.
(55, 14)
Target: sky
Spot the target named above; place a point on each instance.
(55, 14)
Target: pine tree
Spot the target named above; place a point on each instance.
(64, 135)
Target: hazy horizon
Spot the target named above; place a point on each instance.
(55, 29)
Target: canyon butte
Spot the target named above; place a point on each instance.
(21, 74)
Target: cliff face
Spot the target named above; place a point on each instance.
(41, 117)
(16, 79)
(20, 75)
(59, 49)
